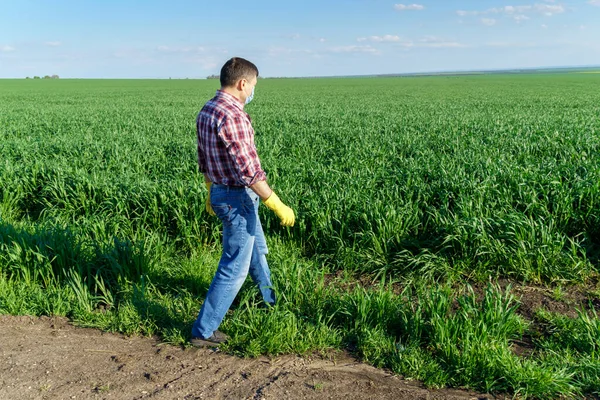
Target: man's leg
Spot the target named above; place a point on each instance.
(259, 268)
(238, 243)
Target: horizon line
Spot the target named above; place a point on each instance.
(515, 70)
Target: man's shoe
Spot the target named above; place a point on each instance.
(216, 339)
(265, 306)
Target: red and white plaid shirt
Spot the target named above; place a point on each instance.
(226, 150)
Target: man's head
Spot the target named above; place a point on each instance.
(238, 77)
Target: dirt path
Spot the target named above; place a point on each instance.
(43, 358)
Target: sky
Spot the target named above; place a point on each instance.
(192, 39)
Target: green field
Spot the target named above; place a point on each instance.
(417, 199)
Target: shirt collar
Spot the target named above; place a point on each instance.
(230, 99)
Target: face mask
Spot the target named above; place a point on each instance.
(249, 98)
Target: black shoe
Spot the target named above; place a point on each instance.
(265, 306)
(216, 339)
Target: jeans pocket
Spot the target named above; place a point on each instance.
(223, 212)
(249, 202)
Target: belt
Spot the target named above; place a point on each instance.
(229, 187)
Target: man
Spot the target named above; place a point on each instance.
(235, 181)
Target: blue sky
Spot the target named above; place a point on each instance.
(179, 39)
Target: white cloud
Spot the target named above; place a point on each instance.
(6, 49)
(549, 10)
(429, 39)
(207, 58)
(435, 42)
(594, 2)
(488, 21)
(521, 18)
(545, 9)
(440, 45)
(205, 63)
(508, 10)
(53, 44)
(405, 7)
(511, 44)
(385, 38)
(544, 26)
(519, 13)
(360, 49)
(322, 40)
(425, 41)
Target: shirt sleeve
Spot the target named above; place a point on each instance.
(238, 136)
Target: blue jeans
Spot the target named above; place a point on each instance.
(244, 250)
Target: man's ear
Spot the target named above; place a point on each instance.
(239, 85)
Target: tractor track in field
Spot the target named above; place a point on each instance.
(48, 358)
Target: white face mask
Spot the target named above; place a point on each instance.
(249, 98)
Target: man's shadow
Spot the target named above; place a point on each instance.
(51, 256)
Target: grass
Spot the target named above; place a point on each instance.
(410, 193)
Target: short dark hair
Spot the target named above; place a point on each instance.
(237, 68)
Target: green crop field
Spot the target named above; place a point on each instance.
(422, 204)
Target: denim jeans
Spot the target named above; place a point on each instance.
(244, 250)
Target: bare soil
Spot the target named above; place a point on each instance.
(48, 358)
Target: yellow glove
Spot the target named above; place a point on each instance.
(209, 208)
(285, 214)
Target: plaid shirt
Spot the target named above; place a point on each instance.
(226, 150)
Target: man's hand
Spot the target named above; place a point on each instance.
(285, 214)
(209, 208)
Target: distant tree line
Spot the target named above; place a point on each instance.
(219, 77)
(45, 77)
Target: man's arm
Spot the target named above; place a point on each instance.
(262, 189)
(239, 135)
(271, 200)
